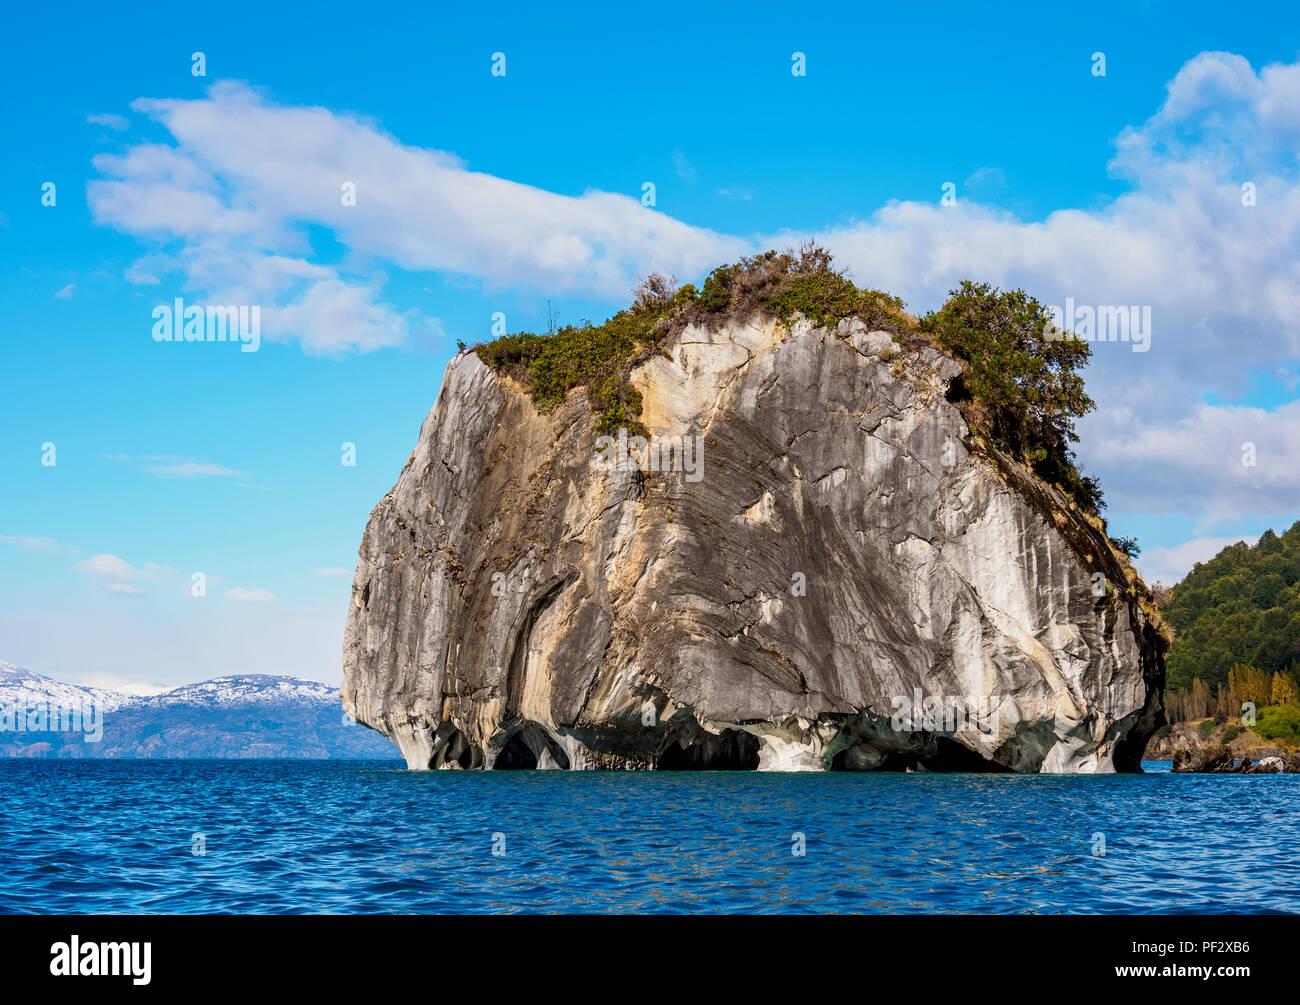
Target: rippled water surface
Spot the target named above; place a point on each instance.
(318, 836)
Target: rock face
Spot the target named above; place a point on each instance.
(1219, 760)
(844, 579)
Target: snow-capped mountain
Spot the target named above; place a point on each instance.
(258, 688)
(22, 687)
(254, 715)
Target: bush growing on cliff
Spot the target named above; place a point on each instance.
(599, 358)
(1024, 389)
(1019, 388)
(594, 357)
(1130, 547)
(794, 282)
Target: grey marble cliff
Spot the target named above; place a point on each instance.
(846, 579)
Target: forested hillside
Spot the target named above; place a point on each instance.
(1242, 606)
(1236, 621)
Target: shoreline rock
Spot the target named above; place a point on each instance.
(849, 546)
(1187, 743)
(1220, 760)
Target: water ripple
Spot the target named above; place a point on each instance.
(366, 837)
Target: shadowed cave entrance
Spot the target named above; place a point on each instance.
(939, 754)
(528, 749)
(453, 750)
(731, 750)
(515, 756)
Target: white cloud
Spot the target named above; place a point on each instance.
(107, 566)
(247, 176)
(1225, 461)
(66, 292)
(116, 575)
(685, 170)
(108, 120)
(1169, 565)
(192, 469)
(144, 271)
(229, 201)
(38, 545)
(126, 588)
(1220, 277)
(256, 596)
(987, 180)
(334, 573)
(171, 466)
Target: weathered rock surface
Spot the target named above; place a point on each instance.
(1220, 760)
(1187, 744)
(849, 551)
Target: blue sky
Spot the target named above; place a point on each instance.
(479, 194)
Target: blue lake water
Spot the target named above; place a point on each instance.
(361, 837)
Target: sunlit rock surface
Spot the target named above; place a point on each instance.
(844, 561)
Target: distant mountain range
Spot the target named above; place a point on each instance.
(238, 716)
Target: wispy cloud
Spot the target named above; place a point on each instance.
(116, 575)
(226, 204)
(986, 181)
(66, 292)
(1213, 259)
(230, 204)
(170, 466)
(38, 545)
(108, 120)
(126, 588)
(250, 596)
(192, 469)
(685, 170)
(334, 573)
(141, 273)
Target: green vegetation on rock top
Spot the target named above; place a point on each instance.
(1019, 387)
(599, 358)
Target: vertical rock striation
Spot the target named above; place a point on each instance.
(853, 581)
